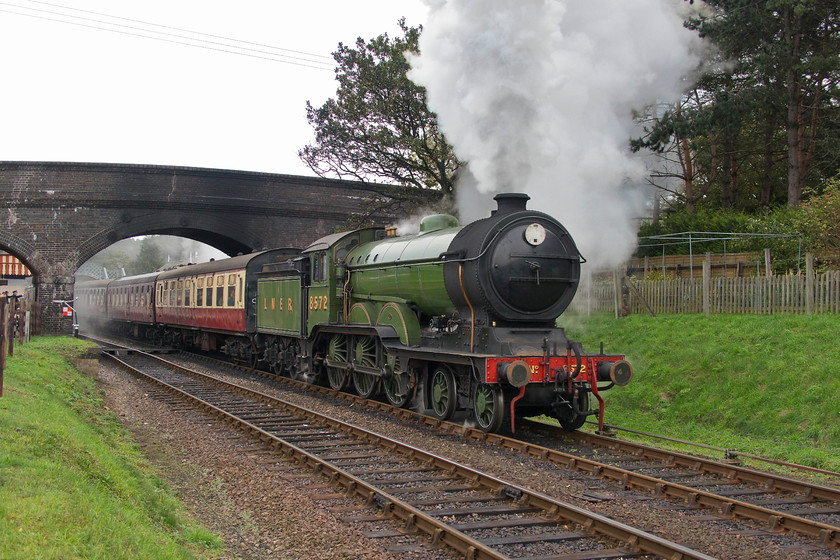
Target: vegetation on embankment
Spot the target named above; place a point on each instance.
(769, 385)
(72, 483)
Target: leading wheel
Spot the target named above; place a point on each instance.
(364, 354)
(489, 407)
(443, 393)
(570, 420)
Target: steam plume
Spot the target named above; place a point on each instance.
(537, 96)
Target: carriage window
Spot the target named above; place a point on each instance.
(231, 298)
(220, 280)
(199, 297)
(241, 291)
(201, 282)
(220, 296)
(231, 279)
(187, 290)
(209, 297)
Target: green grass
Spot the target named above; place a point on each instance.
(72, 483)
(767, 385)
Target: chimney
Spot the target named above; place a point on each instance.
(510, 202)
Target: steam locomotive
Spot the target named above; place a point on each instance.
(452, 318)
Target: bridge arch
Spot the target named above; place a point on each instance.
(20, 248)
(58, 215)
(223, 241)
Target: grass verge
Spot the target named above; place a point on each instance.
(767, 385)
(72, 483)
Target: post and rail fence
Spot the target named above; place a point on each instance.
(804, 292)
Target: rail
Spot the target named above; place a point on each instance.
(515, 499)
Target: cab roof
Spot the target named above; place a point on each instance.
(328, 241)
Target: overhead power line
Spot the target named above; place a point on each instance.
(194, 39)
(312, 55)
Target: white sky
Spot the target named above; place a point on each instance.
(73, 93)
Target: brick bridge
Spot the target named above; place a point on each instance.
(58, 215)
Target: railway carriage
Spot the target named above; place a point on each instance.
(90, 303)
(130, 302)
(210, 305)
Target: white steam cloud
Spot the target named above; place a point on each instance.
(537, 95)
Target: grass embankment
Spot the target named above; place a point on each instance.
(768, 385)
(72, 483)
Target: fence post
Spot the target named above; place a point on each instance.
(27, 322)
(4, 321)
(8, 326)
(809, 283)
(621, 303)
(707, 284)
(616, 291)
(19, 320)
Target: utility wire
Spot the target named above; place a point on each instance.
(176, 38)
(312, 55)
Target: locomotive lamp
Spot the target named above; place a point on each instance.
(534, 234)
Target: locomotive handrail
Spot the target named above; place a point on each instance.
(490, 244)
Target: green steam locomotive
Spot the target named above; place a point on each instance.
(454, 318)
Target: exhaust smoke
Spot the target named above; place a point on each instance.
(537, 96)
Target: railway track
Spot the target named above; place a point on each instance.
(476, 514)
(775, 503)
(782, 504)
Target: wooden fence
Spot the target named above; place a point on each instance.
(790, 293)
